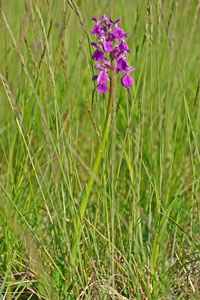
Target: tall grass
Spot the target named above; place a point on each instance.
(140, 229)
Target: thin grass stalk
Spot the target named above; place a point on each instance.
(86, 195)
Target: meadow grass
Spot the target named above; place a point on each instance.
(139, 235)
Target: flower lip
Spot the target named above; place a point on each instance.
(122, 65)
(98, 55)
(101, 81)
(102, 77)
(103, 87)
(107, 63)
(107, 46)
(94, 19)
(124, 47)
(119, 33)
(127, 81)
(96, 29)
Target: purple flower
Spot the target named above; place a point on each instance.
(101, 81)
(103, 87)
(96, 29)
(107, 46)
(127, 81)
(122, 65)
(123, 47)
(110, 47)
(98, 55)
(119, 33)
(102, 77)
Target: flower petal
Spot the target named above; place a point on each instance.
(117, 20)
(107, 63)
(94, 19)
(111, 37)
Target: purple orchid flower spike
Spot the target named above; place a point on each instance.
(110, 46)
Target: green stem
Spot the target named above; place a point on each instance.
(86, 195)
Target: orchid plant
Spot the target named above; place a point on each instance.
(110, 53)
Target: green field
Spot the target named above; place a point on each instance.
(130, 227)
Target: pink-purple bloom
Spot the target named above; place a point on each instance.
(101, 81)
(96, 29)
(119, 33)
(98, 55)
(107, 46)
(110, 43)
(126, 81)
